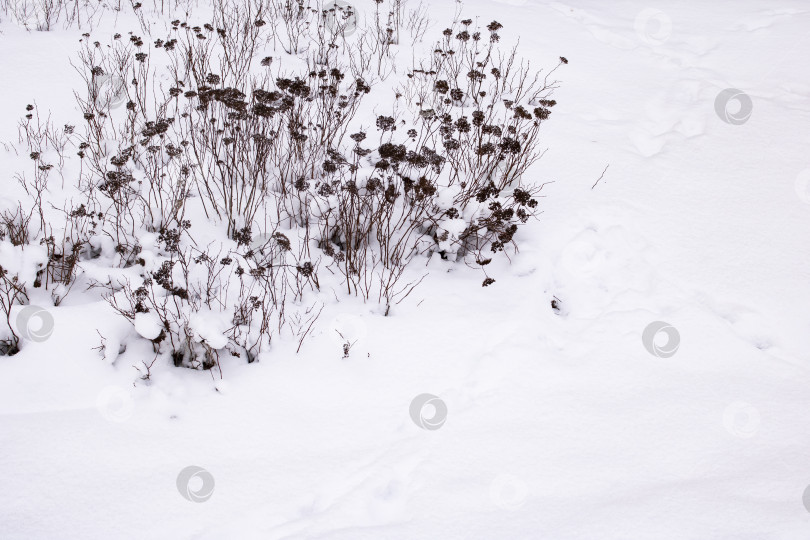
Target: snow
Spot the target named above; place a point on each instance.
(148, 325)
(560, 424)
(209, 326)
(449, 232)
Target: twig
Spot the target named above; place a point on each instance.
(600, 176)
(301, 341)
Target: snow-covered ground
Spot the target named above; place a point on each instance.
(560, 424)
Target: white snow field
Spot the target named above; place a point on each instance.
(549, 423)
